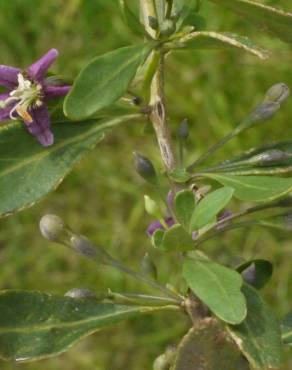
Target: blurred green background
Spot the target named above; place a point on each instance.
(103, 197)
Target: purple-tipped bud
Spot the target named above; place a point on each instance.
(278, 93)
(144, 167)
(270, 157)
(153, 23)
(83, 246)
(53, 228)
(249, 274)
(264, 112)
(183, 130)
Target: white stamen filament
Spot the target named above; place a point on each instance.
(27, 95)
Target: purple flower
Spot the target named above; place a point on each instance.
(27, 93)
(156, 225)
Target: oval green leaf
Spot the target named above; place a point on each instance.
(28, 171)
(275, 21)
(104, 80)
(220, 41)
(217, 286)
(176, 239)
(210, 206)
(255, 188)
(200, 349)
(259, 336)
(35, 325)
(184, 204)
(256, 272)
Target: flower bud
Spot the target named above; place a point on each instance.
(270, 157)
(151, 207)
(168, 27)
(278, 93)
(148, 267)
(183, 130)
(80, 293)
(264, 111)
(249, 274)
(144, 167)
(53, 228)
(83, 246)
(153, 23)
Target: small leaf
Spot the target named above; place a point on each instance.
(28, 171)
(210, 206)
(104, 80)
(269, 19)
(256, 272)
(130, 18)
(255, 188)
(184, 207)
(217, 286)
(176, 239)
(35, 325)
(208, 346)
(258, 336)
(180, 175)
(286, 328)
(157, 237)
(215, 40)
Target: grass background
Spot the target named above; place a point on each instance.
(102, 198)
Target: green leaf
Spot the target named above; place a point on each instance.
(104, 80)
(199, 349)
(255, 188)
(256, 272)
(130, 18)
(258, 336)
(210, 206)
(286, 328)
(157, 238)
(180, 175)
(217, 286)
(176, 239)
(184, 203)
(274, 21)
(28, 171)
(215, 40)
(35, 325)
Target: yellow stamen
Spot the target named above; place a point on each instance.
(24, 115)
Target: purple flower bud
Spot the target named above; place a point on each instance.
(278, 93)
(144, 167)
(170, 198)
(183, 130)
(156, 225)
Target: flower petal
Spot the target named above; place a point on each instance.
(40, 127)
(8, 76)
(4, 112)
(55, 91)
(39, 68)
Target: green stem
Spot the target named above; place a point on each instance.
(244, 125)
(141, 299)
(158, 117)
(116, 264)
